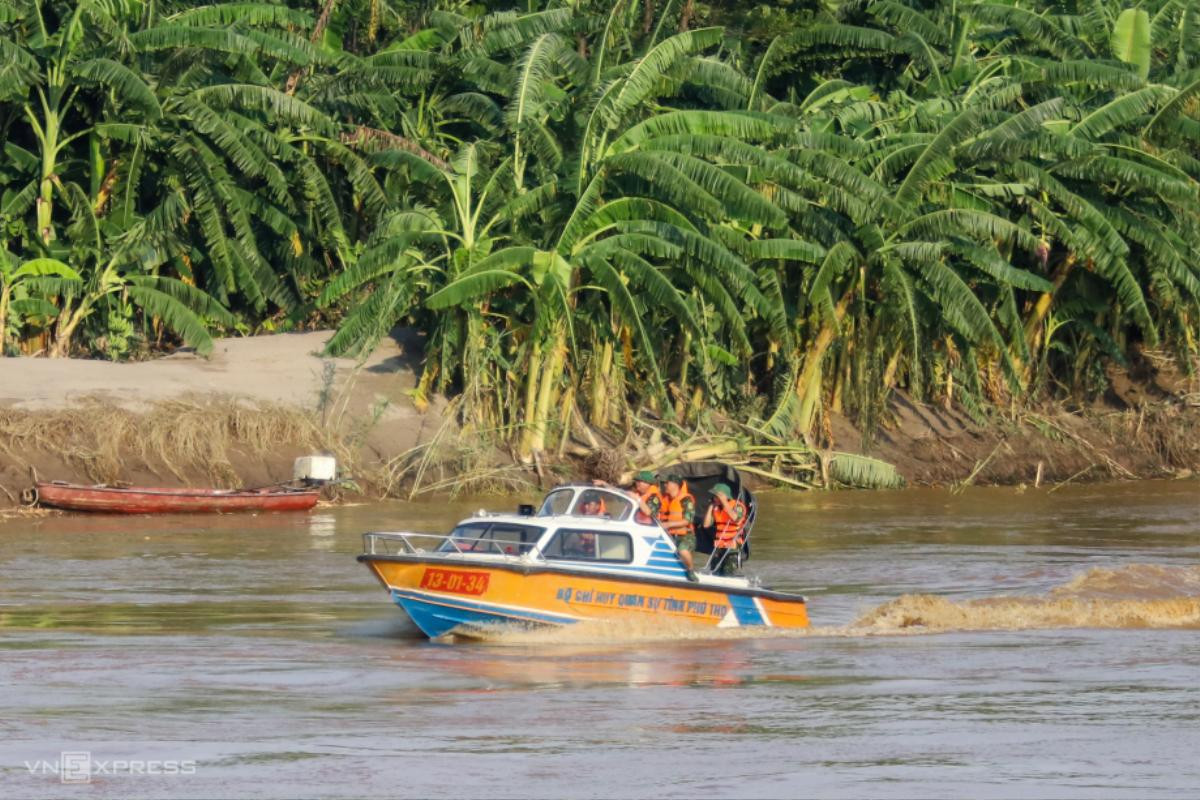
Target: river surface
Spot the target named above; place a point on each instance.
(995, 643)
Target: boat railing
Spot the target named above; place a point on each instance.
(397, 543)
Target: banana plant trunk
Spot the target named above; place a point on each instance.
(601, 378)
(548, 392)
(1034, 324)
(808, 385)
(45, 201)
(685, 359)
(532, 375)
(68, 321)
(5, 293)
(1042, 307)
(889, 372)
(544, 380)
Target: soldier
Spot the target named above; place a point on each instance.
(649, 496)
(678, 517)
(645, 489)
(579, 544)
(591, 505)
(727, 517)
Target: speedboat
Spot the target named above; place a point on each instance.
(563, 564)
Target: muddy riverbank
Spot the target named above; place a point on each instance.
(240, 417)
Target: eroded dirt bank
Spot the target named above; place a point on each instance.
(240, 417)
(1146, 425)
(930, 445)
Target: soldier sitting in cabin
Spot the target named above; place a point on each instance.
(579, 544)
(591, 505)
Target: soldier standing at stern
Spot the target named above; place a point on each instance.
(727, 517)
(678, 518)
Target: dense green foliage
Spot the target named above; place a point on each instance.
(764, 209)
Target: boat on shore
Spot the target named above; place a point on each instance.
(558, 566)
(154, 500)
(309, 474)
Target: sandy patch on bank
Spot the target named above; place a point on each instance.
(285, 368)
(58, 411)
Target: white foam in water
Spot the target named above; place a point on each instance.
(1133, 596)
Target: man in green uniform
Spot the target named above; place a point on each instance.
(678, 518)
(727, 517)
(649, 497)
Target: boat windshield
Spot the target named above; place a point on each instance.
(498, 538)
(556, 503)
(586, 502)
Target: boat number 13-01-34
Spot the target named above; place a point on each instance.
(454, 580)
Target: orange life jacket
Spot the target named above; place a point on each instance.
(728, 530)
(672, 510)
(652, 492)
(642, 516)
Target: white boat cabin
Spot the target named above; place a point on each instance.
(579, 526)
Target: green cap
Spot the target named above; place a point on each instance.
(674, 477)
(645, 475)
(722, 488)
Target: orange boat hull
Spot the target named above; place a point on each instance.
(441, 596)
(150, 500)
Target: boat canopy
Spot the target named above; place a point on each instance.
(701, 477)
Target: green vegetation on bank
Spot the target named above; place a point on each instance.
(763, 210)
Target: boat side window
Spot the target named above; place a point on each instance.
(578, 544)
(556, 503)
(498, 538)
(513, 539)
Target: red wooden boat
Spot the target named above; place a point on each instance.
(146, 500)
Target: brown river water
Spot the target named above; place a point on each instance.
(995, 643)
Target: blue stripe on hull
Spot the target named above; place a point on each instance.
(437, 619)
(675, 571)
(746, 610)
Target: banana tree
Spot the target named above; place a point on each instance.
(71, 53)
(110, 260)
(182, 308)
(414, 253)
(237, 183)
(16, 282)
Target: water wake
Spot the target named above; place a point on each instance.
(933, 613)
(1135, 581)
(1132, 596)
(607, 631)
